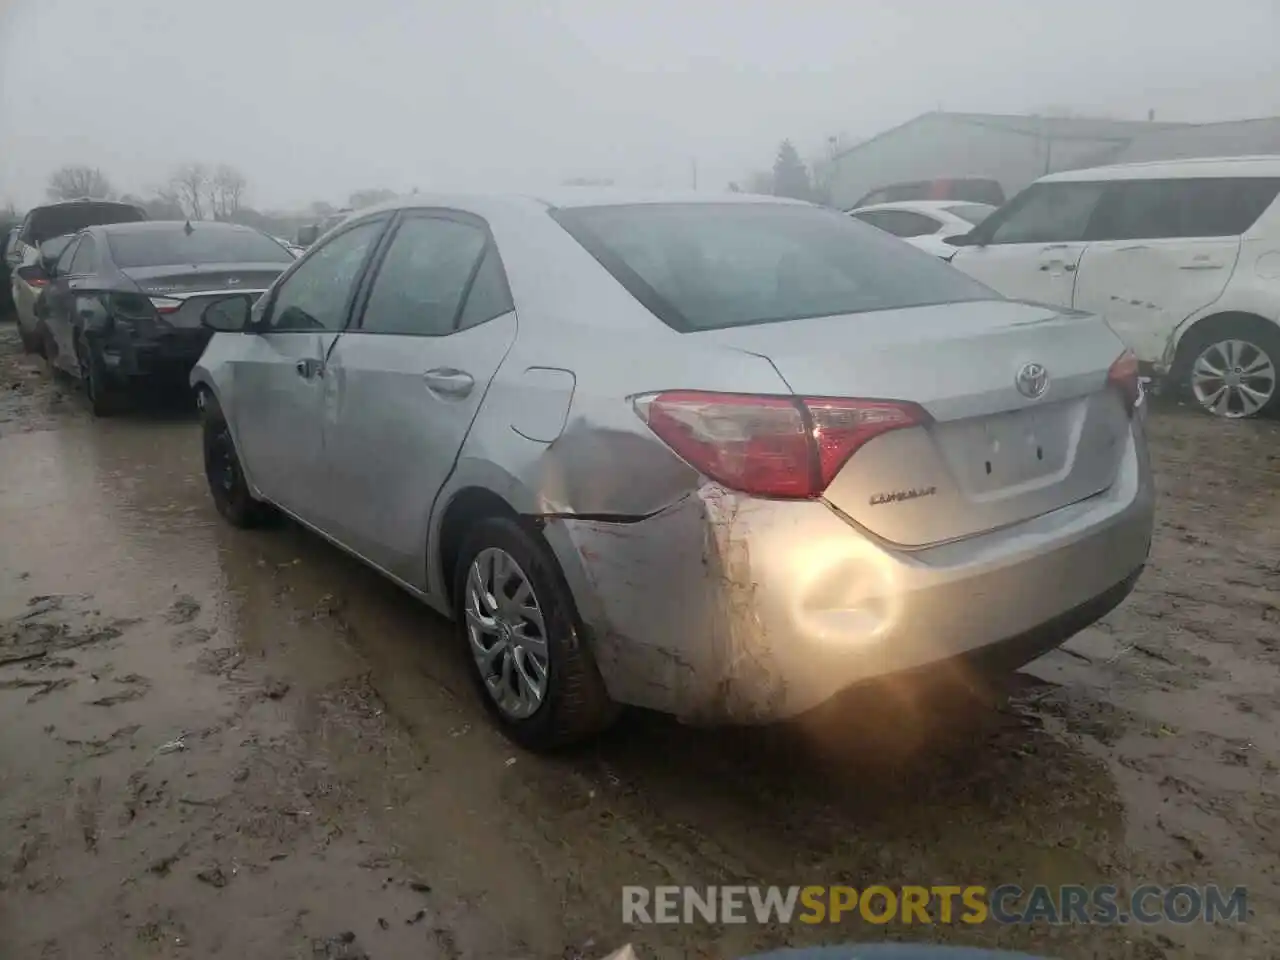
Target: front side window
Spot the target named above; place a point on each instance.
(705, 266)
(316, 295)
(423, 277)
(1047, 213)
(83, 261)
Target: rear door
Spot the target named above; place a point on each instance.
(279, 380)
(403, 386)
(1164, 250)
(1030, 249)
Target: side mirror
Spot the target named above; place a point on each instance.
(962, 240)
(308, 235)
(228, 315)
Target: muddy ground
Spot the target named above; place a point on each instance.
(225, 744)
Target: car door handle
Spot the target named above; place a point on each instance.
(1200, 265)
(309, 369)
(449, 382)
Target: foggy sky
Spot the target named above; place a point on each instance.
(313, 99)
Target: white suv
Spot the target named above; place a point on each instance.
(1181, 257)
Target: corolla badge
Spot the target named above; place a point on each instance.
(1032, 380)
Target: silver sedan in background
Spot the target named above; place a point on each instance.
(720, 458)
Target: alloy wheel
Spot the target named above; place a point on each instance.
(507, 633)
(1233, 378)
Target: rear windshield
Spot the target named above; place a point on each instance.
(704, 266)
(49, 222)
(974, 213)
(159, 248)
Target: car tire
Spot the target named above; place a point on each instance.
(222, 470)
(106, 399)
(1249, 343)
(574, 705)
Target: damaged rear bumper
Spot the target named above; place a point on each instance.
(126, 355)
(725, 608)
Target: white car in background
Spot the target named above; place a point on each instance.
(1182, 259)
(925, 223)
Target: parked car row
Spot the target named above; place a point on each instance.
(1182, 258)
(722, 459)
(110, 298)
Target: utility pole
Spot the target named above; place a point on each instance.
(693, 171)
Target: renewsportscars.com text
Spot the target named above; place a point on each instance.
(1006, 904)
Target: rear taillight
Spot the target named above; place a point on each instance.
(37, 282)
(788, 447)
(165, 305)
(1123, 377)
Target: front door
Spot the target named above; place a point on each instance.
(404, 384)
(53, 306)
(1031, 248)
(280, 378)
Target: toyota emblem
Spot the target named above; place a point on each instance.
(1032, 380)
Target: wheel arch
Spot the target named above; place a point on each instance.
(1189, 335)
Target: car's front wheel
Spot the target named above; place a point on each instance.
(227, 484)
(525, 646)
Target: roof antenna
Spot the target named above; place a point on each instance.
(187, 228)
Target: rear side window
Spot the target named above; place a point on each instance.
(1203, 207)
(489, 296)
(423, 277)
(704, 266)
(45, 223)
(901, 223)
(158, 247)
(1046, 213)
(86, 256)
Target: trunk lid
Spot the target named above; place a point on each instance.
(200, 284)
(991, 455)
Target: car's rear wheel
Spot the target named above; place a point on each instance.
(1231, 368)
(105, 398)
(524, 643)
(227, 485)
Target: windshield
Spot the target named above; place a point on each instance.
(205, 244)
(49, 222)
(974, 213)
(704, 266)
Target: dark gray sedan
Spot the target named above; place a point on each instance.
(125, 299)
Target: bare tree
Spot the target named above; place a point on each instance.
(226, 191)
(189, 184)
(73, 182)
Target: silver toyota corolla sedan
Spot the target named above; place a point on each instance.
(721, 458)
